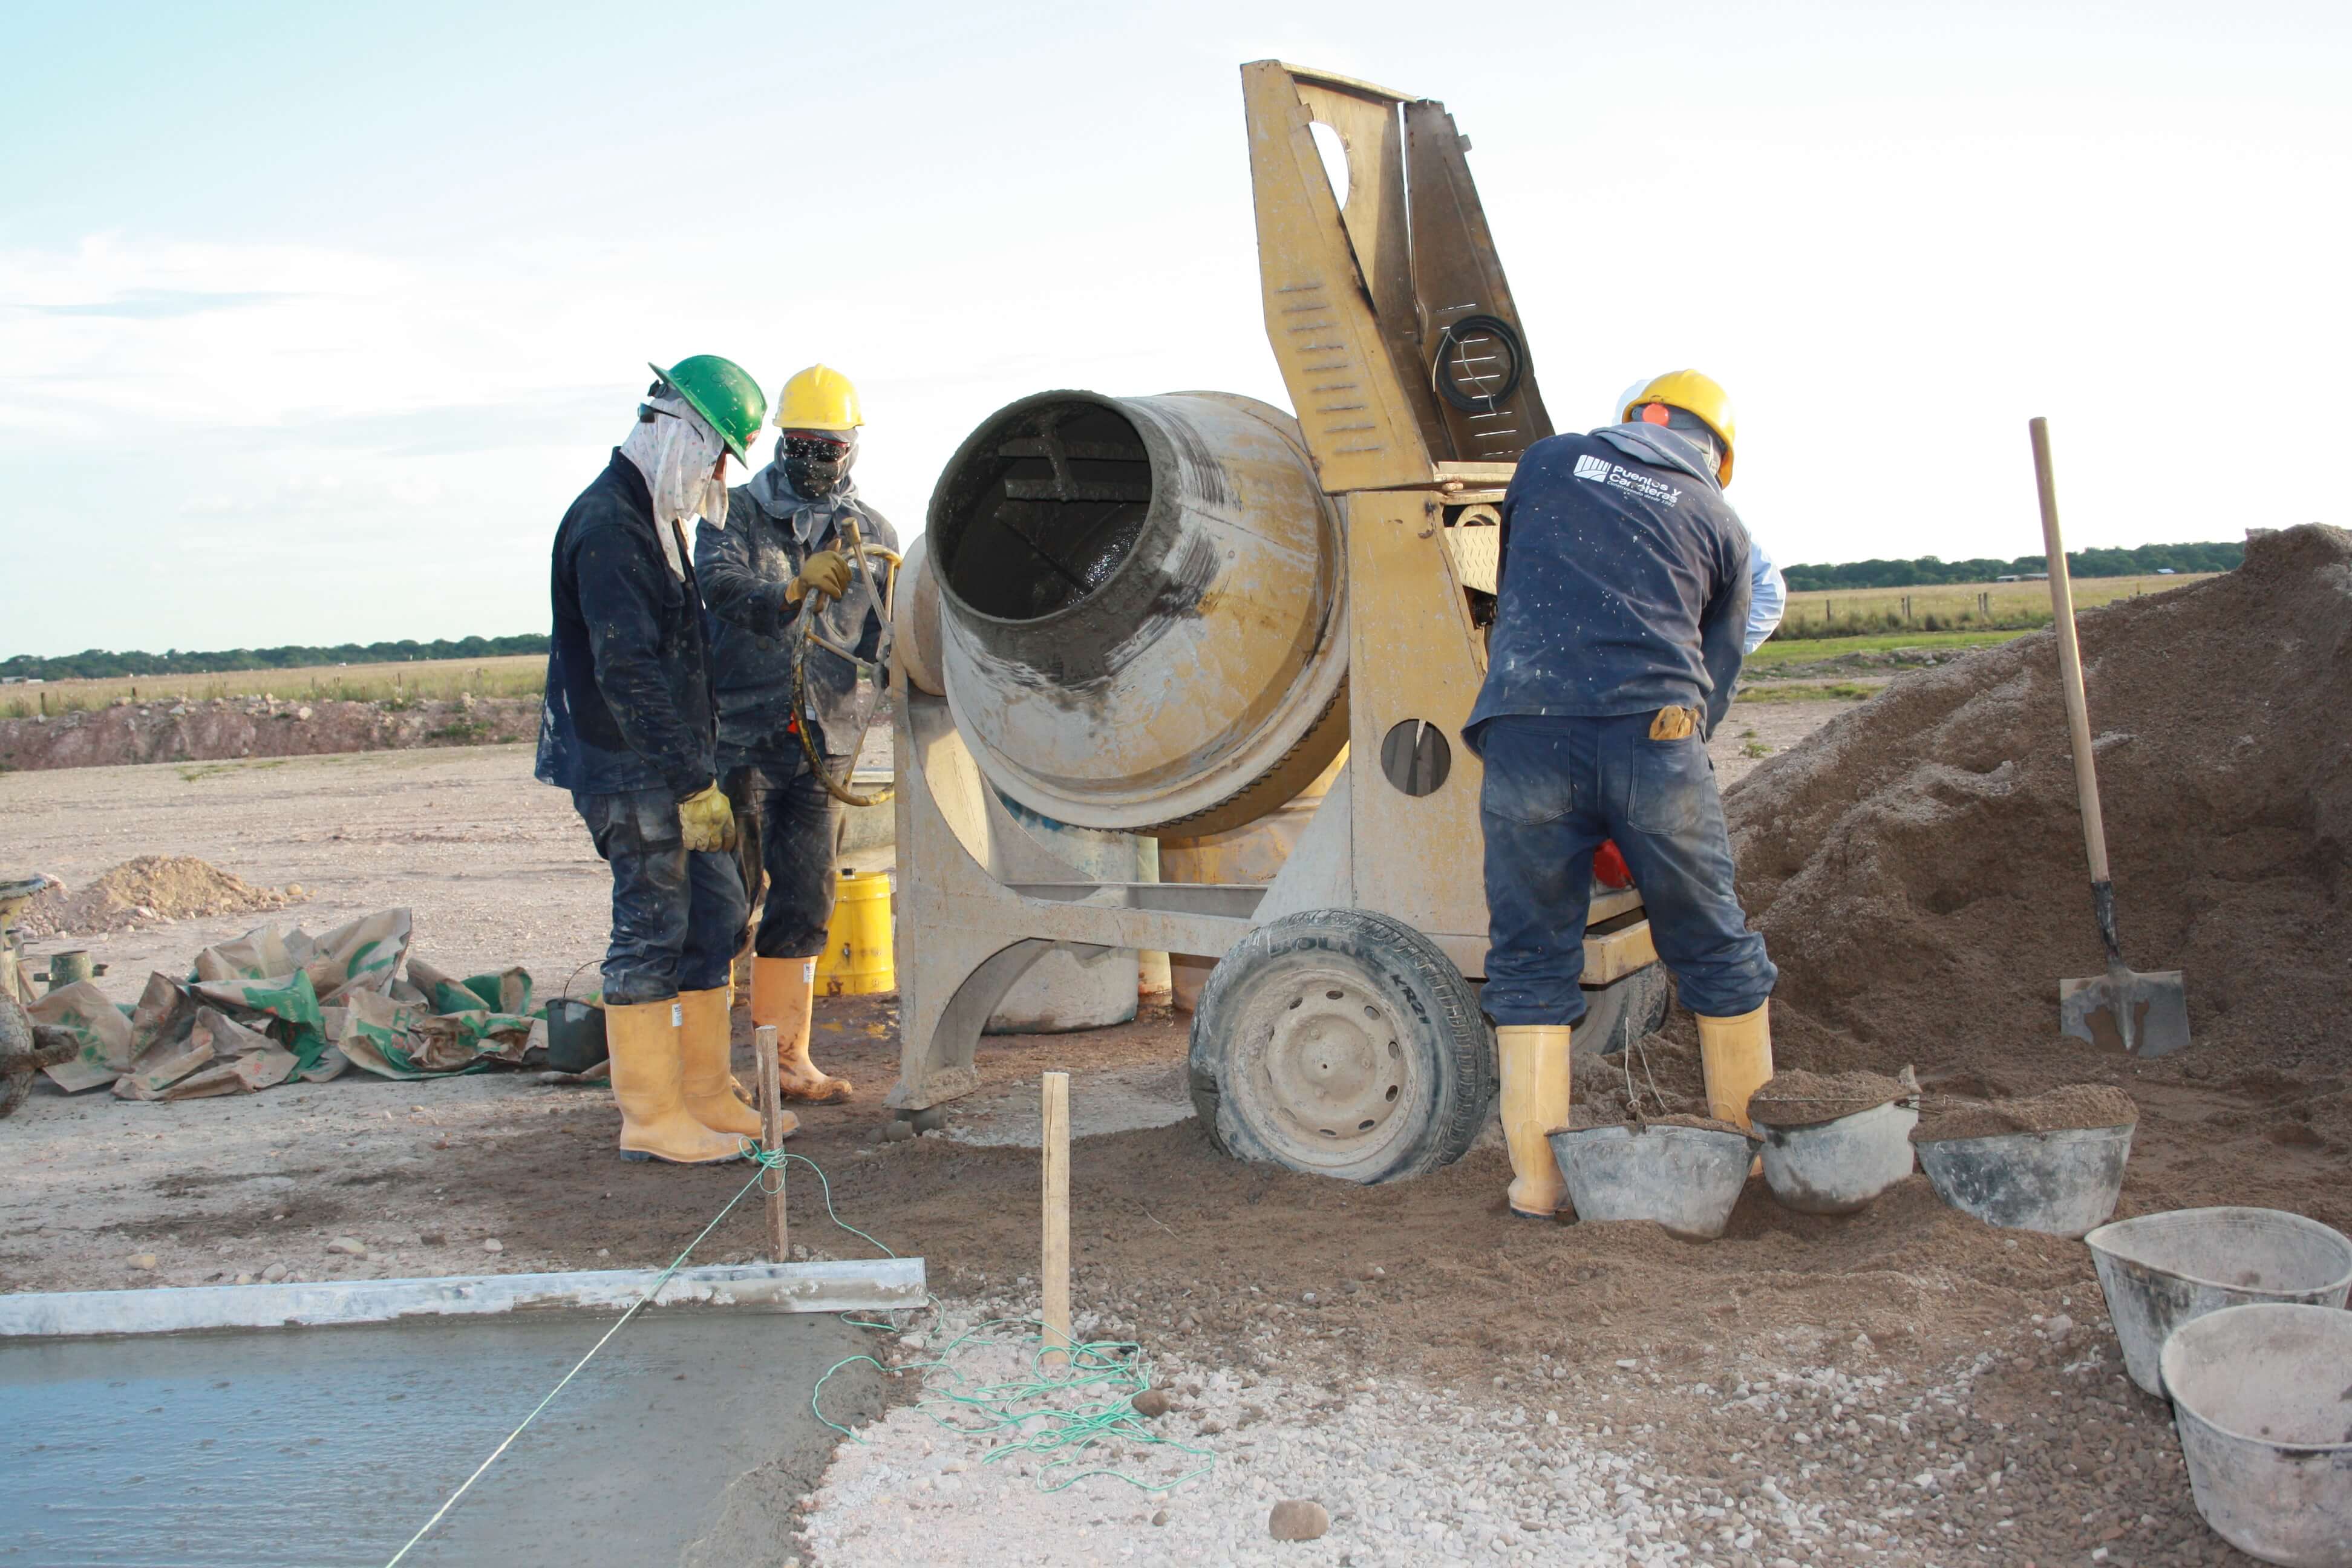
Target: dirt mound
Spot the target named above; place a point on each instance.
(225, 729)
(2067, 1107)
(148, 892)
(1918, 866)
(1802, 1098)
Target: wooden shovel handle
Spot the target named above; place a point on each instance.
(2070, 657)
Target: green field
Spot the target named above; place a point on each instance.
(1807, 650)
(1950, 607)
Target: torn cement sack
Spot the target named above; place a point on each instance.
(396, 1040)
(363, 955)
(96, 1025)
(508, 990)
(220, 1055)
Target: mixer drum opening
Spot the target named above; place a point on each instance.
(1047, 509)
(1142, 608)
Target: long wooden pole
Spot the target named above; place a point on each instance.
(1054, 1275)
(2070, 656)
(771, 1106)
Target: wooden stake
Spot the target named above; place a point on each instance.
(771, 1106)
(1054, 1276)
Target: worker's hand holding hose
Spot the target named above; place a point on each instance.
(826, 572)
(707, 820)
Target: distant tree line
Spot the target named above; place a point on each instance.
(100, 663)
(1929, 571)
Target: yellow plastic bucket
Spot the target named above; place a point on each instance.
(856, 961)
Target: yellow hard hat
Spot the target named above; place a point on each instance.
(819, 398)
(1696, 395)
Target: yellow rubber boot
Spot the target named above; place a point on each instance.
(1737, 1055)
(703, 1047)
(782, 994)
(649, 1082)
(1535, 1102)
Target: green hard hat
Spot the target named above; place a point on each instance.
(724, 393)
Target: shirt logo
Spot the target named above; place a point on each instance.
(1617, 476)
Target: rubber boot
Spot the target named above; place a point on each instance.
(1737, 1055)
(703, 1047)
(782, 990)
(1535, 1102)
(649, 1082)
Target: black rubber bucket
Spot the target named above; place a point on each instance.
(575, 1035)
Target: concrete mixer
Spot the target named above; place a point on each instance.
(1168, 614)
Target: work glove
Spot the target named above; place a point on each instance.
(826, 572)
(707, 820)
(1609, 867)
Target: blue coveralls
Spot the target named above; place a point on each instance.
(1622, 591)
(627, 726)
(788, 823)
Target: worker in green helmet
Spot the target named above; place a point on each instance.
(629, 728)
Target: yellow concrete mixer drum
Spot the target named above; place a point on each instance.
(1142, 608)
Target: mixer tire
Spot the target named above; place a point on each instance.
(1341, 1043)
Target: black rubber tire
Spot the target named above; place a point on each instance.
(1444, 1049)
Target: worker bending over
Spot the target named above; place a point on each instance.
(627, 728)
(782, 557)
(1622, 601)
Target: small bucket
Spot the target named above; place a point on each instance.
(575, 1035)
(857, 959)
(2061, 1184)
(1684, 1178)
(2258, 1395)
(2162, 1270)
(1836, 1167)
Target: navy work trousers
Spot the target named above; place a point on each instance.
(677, 916)
(789, 830)
(1555, 788)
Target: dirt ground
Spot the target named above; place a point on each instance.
(1905, 1384)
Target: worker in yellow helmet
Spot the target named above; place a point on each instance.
(780, 558)
(1620, 614)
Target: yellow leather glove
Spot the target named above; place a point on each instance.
(707, 821)
(826, 572)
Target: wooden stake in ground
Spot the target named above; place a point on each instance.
(1054, 1276)
(771, 1106)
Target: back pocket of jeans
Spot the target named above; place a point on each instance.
(1528, 779)
(1670, 779)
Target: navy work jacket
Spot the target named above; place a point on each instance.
(628, 701)
(1624, 582)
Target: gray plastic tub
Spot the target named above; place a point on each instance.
(2258, 1395)
(2062, 1184)
(1836, 1167)
(2162, 1270)
(1684, 1178)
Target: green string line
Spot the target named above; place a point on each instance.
(1005, 1409)
(766, 1161)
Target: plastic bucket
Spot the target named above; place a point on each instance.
(858, 959)
(1684, 1178)
(2258, 1395)
(2162, 1270)
(2060, 1183)
(575, 1035)
(1836, 1167)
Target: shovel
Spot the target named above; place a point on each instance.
(2147, 1014)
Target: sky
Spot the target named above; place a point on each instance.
(314, 319)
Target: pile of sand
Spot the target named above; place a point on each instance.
(1918, 866)
(147, 891)
(2067, 1107)
(1802, 1098)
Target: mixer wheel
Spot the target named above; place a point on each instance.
(1341, 1043)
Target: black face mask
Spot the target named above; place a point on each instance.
(816, 465)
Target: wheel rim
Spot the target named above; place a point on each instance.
(1328, 1057)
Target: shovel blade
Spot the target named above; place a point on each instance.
(2145, 1015)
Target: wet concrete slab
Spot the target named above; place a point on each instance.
(686, 1440)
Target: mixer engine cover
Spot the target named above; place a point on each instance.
(1143, 620)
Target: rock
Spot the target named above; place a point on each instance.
(273, 1272)
(431, 1239)
(301, 713)
(1154, 1402)
(492, 1244)
(2059, 1327)
(245, 1280)
(349, 1246)
(1297, 1519)
(897, 1131)
(142, 1260)
(1160, 1517)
